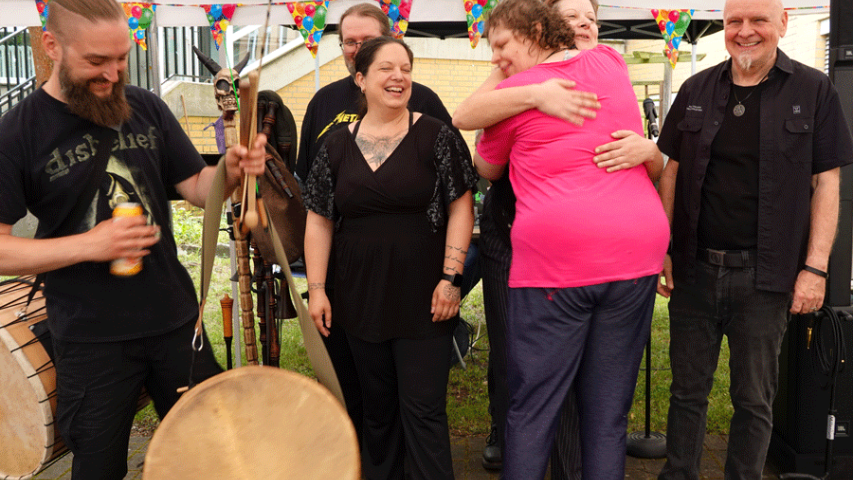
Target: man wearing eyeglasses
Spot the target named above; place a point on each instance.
(335, 106)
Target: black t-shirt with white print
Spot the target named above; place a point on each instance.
(45, 154)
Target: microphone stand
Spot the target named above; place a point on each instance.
(647, 444)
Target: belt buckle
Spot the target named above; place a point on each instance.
(716, 257)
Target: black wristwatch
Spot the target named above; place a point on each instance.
(455, 279)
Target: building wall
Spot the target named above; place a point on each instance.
(453, 69)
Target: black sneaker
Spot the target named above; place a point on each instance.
(492, 451)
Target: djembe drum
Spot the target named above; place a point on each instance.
(255, 422)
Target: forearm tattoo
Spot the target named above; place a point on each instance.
(454, 254)
(452, 293)
(316, 286)
(376, 150)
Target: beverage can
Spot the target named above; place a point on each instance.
(126, 267)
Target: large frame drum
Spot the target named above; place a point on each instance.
(255, 422)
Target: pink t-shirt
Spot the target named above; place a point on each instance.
(576, 224)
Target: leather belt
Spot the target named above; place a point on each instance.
(729, 258)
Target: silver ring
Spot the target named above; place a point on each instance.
(814, 309)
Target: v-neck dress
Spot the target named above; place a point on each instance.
(390, 227)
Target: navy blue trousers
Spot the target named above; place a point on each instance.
(592, 337)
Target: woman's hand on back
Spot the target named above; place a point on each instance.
(557, 97)
(627, 151)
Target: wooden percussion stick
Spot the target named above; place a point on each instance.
(248, 131)
(244, 278)
(227, 305)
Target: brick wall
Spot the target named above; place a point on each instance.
(204, 140)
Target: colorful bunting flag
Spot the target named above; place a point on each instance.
(476, 11)
(139, 16)
(310, 18)
(219, 16)
(398, 15)
(41, 6)
(673, 24)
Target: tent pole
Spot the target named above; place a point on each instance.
(693, 59)
(154, 51)
(666, 93)
(317, 72)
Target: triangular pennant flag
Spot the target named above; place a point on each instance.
(41, 6)
(398, 15)
(139, 16)
(219, 16)
(673, 24)
(475, 14)
(310, 18)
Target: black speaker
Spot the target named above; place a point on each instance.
(841, 73)
(800, 411)
(840, 31)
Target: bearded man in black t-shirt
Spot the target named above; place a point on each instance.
(111, 335)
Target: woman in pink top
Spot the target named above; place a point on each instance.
(587, 246)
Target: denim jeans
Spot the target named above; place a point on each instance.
(723, 301)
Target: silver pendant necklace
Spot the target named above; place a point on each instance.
(740, 109)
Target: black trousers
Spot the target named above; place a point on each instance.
(495, 259)
(98, 387)
(342, 357)
(404, 387)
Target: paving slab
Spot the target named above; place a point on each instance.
(467, 455)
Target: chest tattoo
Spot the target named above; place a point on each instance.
(376, 150)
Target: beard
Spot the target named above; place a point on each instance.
(106, 112)
(744, 62)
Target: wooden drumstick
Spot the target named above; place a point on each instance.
(186, 117)
(227, 305)
(262, 213)
(248, 131)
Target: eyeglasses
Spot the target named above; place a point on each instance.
(351, 44)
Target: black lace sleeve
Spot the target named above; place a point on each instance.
(456, 175)
(319, 192)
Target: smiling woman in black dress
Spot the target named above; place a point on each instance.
(392, 193)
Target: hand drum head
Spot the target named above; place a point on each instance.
(255, 422)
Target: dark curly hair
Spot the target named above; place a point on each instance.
(532, 20)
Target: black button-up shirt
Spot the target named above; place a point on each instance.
(803, 132)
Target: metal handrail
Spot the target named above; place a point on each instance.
(17, 94)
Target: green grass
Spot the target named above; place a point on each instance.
(467, 398)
